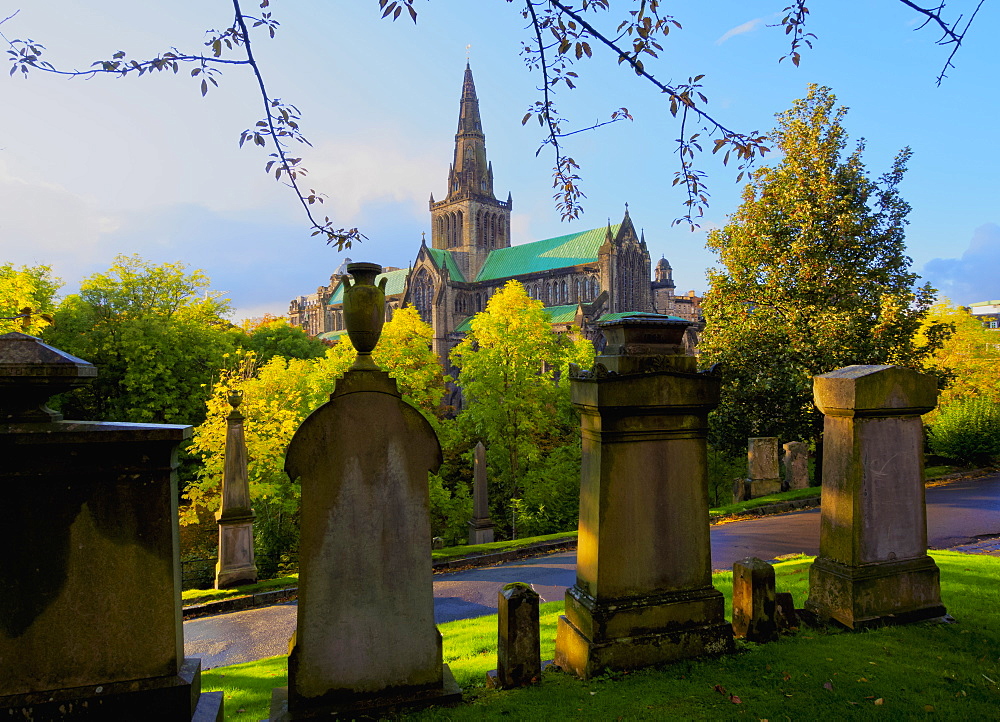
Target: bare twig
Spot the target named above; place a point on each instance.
(950, 34)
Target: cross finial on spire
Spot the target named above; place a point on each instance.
(468, 53)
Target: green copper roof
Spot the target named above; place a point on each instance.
(444, 259)
(395, 283)
(636, 314)
(560, 252)
(556, 314)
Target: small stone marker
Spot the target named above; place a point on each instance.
(437, 543)
(785, 615)
(236, 564)
(753, 601)
(796, 463)
(873, 566)
(481, 526)
(762, 466)
(740, 490)
(519, 661)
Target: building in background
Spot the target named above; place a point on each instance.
(988, 312)
(579, 277)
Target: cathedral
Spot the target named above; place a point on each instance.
(580, 277)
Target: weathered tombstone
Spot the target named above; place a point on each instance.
(519, 660)
(753, 601)
(366, 640)
(236, 560)
(873, 566)
(643, 592)
(741, 491)
(762, 466)
(784, 611)
(90, 614)
(481, 526)
(796, 463)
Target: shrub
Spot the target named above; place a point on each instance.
(723, 467)
(967, 431)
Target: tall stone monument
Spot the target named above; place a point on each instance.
(481, 526)
(366, 640)
(762, 466)
(643, 592)
(873, 566)
(236, 564)
(90, 614)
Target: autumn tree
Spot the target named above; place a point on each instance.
(813, 276)
(510, 364)
(27, 298)
(157, 335)
(966, 363)
(274, 336)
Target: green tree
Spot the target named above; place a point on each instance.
(276, 337)
(28, 287)
(967, 362)
(157, 336)
(814, 277)
(510, 363)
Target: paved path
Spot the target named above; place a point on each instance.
(963, 515)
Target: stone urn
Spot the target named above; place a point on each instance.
(364, 310)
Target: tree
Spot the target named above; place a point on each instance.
(27, 298)
(276, 337)
(510, 364)
(560, 33)
(157, 336)
(967, 362)
(814, 277)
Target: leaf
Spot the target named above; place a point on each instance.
(720, 689)
(828, 686)
(880, 701)
(734, 699)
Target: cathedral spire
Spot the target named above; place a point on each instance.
(470, 173)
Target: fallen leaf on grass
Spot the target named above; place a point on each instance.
(720, 689)
(879, 701)
(828, 686)
(786, 676)
(863, 679)
(928, 708)
(734, 699)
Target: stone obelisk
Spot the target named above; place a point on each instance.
(481, 526)
(236, 563)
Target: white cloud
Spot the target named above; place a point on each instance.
(746, 27)
(973, 277)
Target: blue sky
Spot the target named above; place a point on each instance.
(92, 168)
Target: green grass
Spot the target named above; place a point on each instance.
(197, 596)
(952, 668)
(439, 555)
(744, 506)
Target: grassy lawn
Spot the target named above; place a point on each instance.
(198, 596)
(946, 671)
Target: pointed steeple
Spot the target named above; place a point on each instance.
(470, 172)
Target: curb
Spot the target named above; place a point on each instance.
(236, 604)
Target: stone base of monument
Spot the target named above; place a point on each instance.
(594, 637)
(873, 595)
(371, 706)
(762, 487)
(160, 699)
(481, 531)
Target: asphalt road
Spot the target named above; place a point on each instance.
(959, 515)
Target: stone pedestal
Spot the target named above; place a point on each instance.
(90, 614)
(873, 566)
(365, 641)
(236, 563)
(762, 466)
(796, 464)
(481, 526)
(643, 592)
(519, 661)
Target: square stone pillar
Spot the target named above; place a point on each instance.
(643, 592)
(754, 601)
(796, 464)
(481, 525)
(873, 566)
(762, 466)
(90, 614)
(519, 661)
(236, 564)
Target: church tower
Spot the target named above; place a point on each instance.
(470, 221)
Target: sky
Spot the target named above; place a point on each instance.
(91, 168)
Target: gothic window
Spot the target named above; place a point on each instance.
(423, 294)
(479, 302)
(460, 227)
(577, 298)
(562, 289)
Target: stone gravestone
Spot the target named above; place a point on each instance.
(481, 526)
(796, 463)
(873, 566)
(90, 614)
(762, 466)
(366, 640)
(643, 592)
(236, 564)
(754, 601)
(519, 660)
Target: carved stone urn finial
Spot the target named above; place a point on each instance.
(364, 311)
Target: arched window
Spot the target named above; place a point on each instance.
(479, 302)
(423, 294)
(459, 229)
(564, 298)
